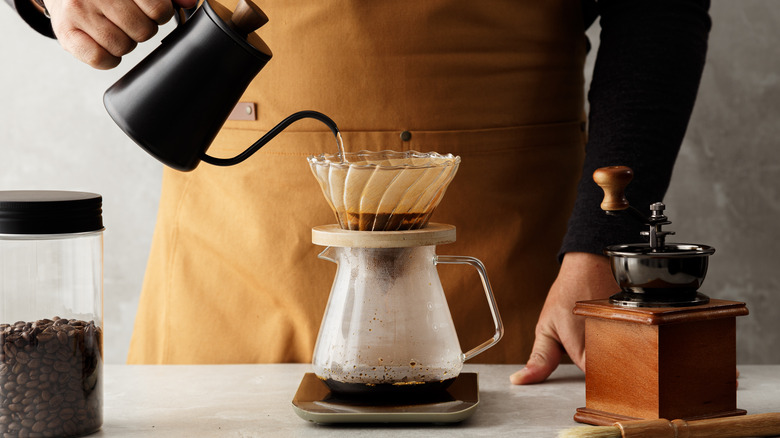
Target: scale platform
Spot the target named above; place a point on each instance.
(314, 402)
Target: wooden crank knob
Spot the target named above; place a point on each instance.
(613, 180)
(247, 18)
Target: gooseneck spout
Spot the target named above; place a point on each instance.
(270, 135)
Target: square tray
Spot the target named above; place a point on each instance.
(314, 402)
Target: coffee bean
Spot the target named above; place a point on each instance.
(39, 426)
(50, 371)
(9, 349)
(62, 337)
(61, 367)
(45, 336)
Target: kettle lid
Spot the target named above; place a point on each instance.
(240, 25)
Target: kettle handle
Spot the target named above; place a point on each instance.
(182, 14)
(270, 135)
(499, 326)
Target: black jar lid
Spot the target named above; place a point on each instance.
(49, 212)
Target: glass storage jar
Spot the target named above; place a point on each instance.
(51, 306)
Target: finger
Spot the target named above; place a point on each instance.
(113, 39)
(70, 28)
(545, 357)
(159, 11)
(131, 20)
(86, 50)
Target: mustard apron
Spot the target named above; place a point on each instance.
(233, 276)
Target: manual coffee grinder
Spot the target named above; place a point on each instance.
(387, 349)
(659, 348)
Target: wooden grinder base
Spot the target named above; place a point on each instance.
(667, 362)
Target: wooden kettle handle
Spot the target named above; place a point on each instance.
(247, 18)
(613, 180)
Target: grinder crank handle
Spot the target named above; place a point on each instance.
(613, 180)
(499, 326)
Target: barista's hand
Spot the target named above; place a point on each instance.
(100, 32)
(582, 276)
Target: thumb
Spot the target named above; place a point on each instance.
(545, 357)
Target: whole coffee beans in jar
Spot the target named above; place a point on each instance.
(51, 335)
(50, 377)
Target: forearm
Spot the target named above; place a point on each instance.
(644, 86)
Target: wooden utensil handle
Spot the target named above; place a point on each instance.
(726, 427)
(247, 18)
(613, 180)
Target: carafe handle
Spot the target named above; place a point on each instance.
(499, 326)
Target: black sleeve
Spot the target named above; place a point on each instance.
(32, 16)
(645, 81)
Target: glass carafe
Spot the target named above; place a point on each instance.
(387, 326)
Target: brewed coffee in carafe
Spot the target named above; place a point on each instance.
(388, 327)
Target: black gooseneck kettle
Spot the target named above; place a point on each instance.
(175, 101)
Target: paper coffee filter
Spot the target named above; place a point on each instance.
(386, 190)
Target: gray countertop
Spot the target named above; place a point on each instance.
(256, 400)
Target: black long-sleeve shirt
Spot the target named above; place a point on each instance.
(644, 85)
(646, 77)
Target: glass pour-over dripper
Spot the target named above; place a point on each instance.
(385, 190)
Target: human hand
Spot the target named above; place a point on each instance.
(100, 32)
(582, 276)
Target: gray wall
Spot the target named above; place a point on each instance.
(726, 185)
(55, 134)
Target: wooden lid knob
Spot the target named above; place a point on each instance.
(613, 180)
(247, 18)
